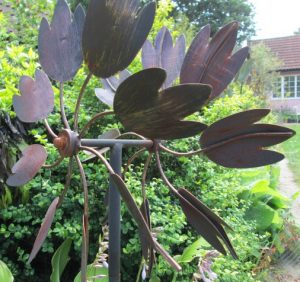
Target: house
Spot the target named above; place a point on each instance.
(286, 93)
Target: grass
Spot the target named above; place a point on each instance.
(291, 150)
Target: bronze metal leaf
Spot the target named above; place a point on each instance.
(144, 109)
(37, 98)
(33, 158)
(237, 142)
(212, 62)
(113, 34)
(59, 47)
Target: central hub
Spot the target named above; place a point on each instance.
(67, 142)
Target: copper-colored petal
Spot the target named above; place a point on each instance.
(37, 98)
(143, 109)
(60, 50)
(43, 232)
(212, 62)
(114, 32)
(138, 217)
(238, 143)
(33, 158)
(213, 219)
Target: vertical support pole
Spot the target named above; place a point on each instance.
(114, 218)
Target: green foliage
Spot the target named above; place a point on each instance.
(92, 272)
(218, 13)
(5, 274)
(60, 260)
(259, 72)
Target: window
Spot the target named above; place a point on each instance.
(287, 87)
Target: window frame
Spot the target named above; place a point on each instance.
(282, 96)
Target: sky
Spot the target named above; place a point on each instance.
(276, 18)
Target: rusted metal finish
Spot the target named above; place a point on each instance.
(33, 158)
(44, 229)
(114, 32)
(67, 143)
(212, 62)
(164, 55)
(237, 142)
(161, 116)
(59, 45)
(37, 98)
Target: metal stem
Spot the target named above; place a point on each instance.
(112, 142)
(114, 217)
(62, 106)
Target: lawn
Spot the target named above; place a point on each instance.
(291, 149)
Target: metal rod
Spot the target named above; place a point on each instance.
(112, 142)
(114, 217)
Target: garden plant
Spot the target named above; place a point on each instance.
(152, 105)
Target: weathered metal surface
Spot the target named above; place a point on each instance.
(206, 223)
(139, 219)
(164, 55)
(59, 44)
(113, 34)
(44, 229)
(33, 158)
(37, 98)
(110, 86)
(237, 142)
(144, 109)
(212, 62)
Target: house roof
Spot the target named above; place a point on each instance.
(287, 49)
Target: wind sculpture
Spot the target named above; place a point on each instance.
(149, 104)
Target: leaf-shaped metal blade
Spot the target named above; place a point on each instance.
(206, 223)
(164, 55)
(33, 158)
(113, 34)
(47, 222)
(37, 98)
(139, 219)
(105, 96)
(59, 47)
(158, 115)
(238, 143)
(212, 62)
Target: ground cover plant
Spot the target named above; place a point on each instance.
(162, 270)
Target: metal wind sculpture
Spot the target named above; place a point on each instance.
(148, 105)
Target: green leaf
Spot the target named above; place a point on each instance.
(93, 271)
(262, 214)
(295, 196)
(5, 274)
(192, 251)
(60, 260)
(154, 279)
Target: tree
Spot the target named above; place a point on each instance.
(217, 13)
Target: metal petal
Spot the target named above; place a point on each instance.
(164, 55)
(207, 225)
(138, 217)
(47, 222)
(60, 43)
(33, 158)
(37, 98)
(238, 143)
(105, 96)
(145, 110)
(113, 34)
(212, 62)
(113, 82)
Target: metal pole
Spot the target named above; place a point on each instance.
(114, 217)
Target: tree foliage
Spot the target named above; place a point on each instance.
(218, 13)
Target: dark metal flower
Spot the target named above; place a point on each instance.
(155, 114)
(211, 61)
(113, 34)
(237, 142)
(60, 43)
(164, 55)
